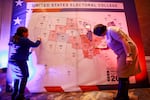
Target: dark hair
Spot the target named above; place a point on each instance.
(21, 30)
(99, 29)
(19, 33)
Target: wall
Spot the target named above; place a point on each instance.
(5, 20)
(0, 16)
(143, 12)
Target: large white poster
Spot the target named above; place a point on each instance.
(69, 59)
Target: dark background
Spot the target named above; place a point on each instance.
(143, 14)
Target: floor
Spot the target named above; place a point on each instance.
(134, 94)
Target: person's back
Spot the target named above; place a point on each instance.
(21, 48)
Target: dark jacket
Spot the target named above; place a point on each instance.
(20, 50)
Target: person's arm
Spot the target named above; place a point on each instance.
(33, 44)
(89, 35)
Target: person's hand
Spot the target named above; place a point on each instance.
(39, 38)
(88, 27)
(129, 60)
